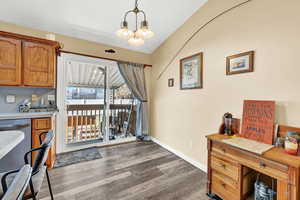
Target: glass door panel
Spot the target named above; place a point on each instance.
(85, 102)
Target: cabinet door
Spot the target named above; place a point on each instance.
(39, 65)
(10, 61)
(36, 131)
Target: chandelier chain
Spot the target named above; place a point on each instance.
(136, 3)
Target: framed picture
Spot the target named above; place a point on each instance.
(191, 72)
(240, 63)
(171, 82)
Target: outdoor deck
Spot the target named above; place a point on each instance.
(86, 122)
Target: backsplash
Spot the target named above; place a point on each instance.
(21, 95)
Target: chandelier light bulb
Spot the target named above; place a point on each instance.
(136, 41)
(125, 33)
(144, 31)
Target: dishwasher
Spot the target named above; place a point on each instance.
(15, 158)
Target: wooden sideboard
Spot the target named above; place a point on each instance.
(27, 61)
(233, 171)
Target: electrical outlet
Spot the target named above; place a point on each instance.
(51, 97)
(34, 98)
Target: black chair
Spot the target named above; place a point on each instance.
(18, 185)
(39, 168)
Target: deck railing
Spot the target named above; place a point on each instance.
(86, 122)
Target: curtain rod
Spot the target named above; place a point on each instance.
(92, 56)
(195, 33)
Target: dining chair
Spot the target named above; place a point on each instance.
(19, 184)
(39, 168)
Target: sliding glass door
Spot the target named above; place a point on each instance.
(98, 106)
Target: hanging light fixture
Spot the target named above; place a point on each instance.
(135, 38)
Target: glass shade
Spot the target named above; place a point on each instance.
(145, 33)
(125, 33)
(136, 41)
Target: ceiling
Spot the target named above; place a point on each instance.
(98, 20)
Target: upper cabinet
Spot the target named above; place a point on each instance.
(39, 65)
(27, 61)
(10, 61)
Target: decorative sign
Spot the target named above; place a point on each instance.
(258, 121)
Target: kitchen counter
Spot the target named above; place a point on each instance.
(8, 140)
(28, 115)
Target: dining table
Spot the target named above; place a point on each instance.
(9, 140)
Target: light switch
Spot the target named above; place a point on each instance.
(10, 99)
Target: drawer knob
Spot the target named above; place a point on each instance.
(262, 165)
(224, 150)
(223, 166)
(223, 185)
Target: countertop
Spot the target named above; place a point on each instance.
(8, 140)
(28, 115)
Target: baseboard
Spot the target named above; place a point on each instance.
(181, 155)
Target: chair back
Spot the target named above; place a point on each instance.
(42, 154)
(19, 184)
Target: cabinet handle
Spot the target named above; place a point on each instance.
(262, 165)
(223, 166)
(223, 185)
(224, 150)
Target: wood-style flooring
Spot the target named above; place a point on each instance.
(133, 171)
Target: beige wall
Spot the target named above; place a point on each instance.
(81, 46)
(181, 119)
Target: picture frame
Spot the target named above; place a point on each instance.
(240, 63)
(191, 72)
(171, 82)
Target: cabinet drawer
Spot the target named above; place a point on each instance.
(224, 187)
(225, 167)
(42, 124)
(251, 160)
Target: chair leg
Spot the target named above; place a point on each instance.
(32, 190)
(49, 184)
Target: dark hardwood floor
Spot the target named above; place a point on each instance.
(132, 171)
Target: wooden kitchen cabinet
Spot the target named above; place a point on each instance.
(38, 126)
(39, 65)
(27, 61)
(10, 61)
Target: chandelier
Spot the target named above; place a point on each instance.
(136, 37)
